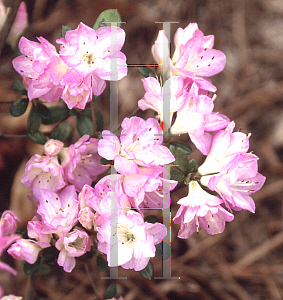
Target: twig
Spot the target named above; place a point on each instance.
(91, 281)
(9, 22)
(93, 118)
(13, 136)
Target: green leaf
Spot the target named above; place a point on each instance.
(64, 29)
(43, 111)
(37, 137)
(44, 269)
(101, 264)
(148, 271)
(163, 251)
(146, 71)
(109, 15)
(19, 107)
(176, 175)
(94, 98)
(19, 87)
(105, 161)
(57, 113)
(188, 150)
(34, 120)
(62, 132)
(99, 120)
(151, 219)
(181, 159)
(30, 269)
(111, 291)
(193, 166)
(84, 125)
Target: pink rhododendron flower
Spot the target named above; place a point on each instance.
(239, 182)
(37, 65)
(200, 210)
(52, 147)
(72, 244)
(43, 172)
(7, 236)
(80, 162)
(58, 211)
(35, 229)
(225, 151)
(136, 240)
(91, 52)
(196, 116)
(140, 146)
(8, 223)
(146, 188)
(173, 90)
(107, 190)
(19, 25)
(193, 56)
(28, 250)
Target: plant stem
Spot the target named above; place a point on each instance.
(93, 118)
(8, 23)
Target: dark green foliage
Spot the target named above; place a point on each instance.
(109, 15)
(148, 271)
(19, 107)
(19, 87)
(146, 71)
(111, 291)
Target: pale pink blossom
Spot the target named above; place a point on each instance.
(8, 223)
(195, 117)
(35, 230)
(140, 146)
(92, 52)
(136, 240)
(25, 249)
(43, 172)
(72, 244)
(42, 69)
(19, 25)
(107, 190)
(80, 162)
(200, 210)
(193, 56)
(58, 210)
(173, 91)
(52, 147)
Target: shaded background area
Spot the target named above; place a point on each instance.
(245, 261)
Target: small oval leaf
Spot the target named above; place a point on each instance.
(34, 120)
(177, 175)
(63, 131)
(148, 271)
(181, 159)
(37, 137)
(102, 264)
(146, 71)
(43, 110)
(111, 291)
(64, 29)
(188, 150)
(18, 86)
(19, 107)
(84, 125)
(109, 15)
(57, 113)
(163, 251)
(193, 166)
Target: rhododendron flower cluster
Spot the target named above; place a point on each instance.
(80, 204)
(78, 70)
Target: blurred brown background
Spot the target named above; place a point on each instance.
(245, 262)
